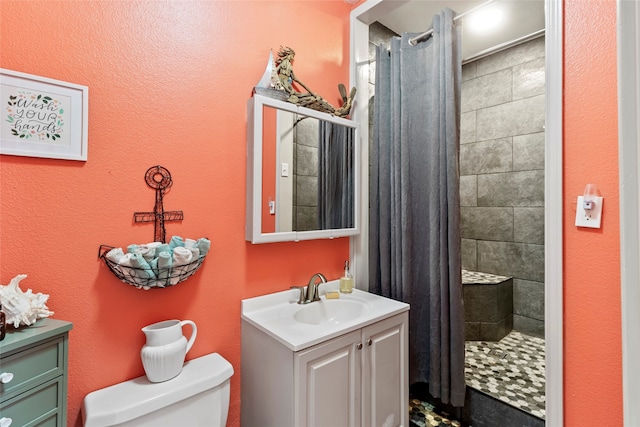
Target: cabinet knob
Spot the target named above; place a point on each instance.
(5, 422)
(359, 347)
(369, 342)
(5, 377)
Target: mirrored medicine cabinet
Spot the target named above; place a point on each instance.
(302, 173)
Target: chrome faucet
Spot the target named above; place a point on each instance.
(312, 293)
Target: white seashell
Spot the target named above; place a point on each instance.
(22, 308)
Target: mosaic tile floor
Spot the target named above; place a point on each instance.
(423, 414)
(511, 370)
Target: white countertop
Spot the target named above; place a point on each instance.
(273, 314)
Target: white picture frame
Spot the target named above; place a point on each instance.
(43, 117)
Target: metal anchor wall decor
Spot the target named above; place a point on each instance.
(158, 178)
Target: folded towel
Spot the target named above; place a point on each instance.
(148, 253)
(137, 269)
(176, 241)
(164, 247)
(150, 250)
(181, 257)
(203, 244)
(195, 253)
(162, 267)
(124, 265)
(164, 260)
(144, 269)
(159, 264)
(147, 250)
(115, 254)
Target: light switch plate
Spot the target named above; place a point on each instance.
(589, 218)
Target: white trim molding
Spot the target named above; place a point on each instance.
(553, 232)
(628, 34)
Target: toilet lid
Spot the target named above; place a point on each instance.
(132, 399)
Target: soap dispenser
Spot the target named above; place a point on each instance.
(346, 281)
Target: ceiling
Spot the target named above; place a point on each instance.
(520, 18)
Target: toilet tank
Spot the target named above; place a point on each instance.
(199, 396)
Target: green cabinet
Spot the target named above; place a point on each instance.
(33, 366)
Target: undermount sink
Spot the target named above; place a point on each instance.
(330, 311)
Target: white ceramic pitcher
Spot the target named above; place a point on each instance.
(166, 347)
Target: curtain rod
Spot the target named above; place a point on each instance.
(503, 46)
(425, 36)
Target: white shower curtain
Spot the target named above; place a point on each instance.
(415, 244)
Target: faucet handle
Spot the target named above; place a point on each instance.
(301, 298)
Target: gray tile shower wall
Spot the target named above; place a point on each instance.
(502, 174)
(305, 175)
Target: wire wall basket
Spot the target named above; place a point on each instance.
(149, 278)
(159, 179)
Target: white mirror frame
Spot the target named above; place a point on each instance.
(372, 10)
(629, 163)
(253, 231)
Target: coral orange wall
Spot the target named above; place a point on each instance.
(592, 329)
(168, 83)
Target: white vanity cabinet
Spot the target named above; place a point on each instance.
(358, 379)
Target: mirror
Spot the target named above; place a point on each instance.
(302, 180)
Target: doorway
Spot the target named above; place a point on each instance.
(372, 11)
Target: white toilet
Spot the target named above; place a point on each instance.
(199, 396)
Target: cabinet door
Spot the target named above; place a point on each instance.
(328, 383)
(386, 373)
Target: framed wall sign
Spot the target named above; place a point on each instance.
(42, 117)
